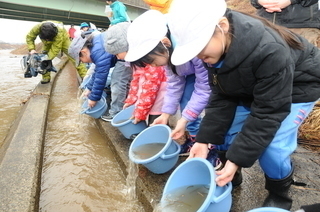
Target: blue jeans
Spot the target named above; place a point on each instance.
(275, 161)
(192, 127)
(120, 82)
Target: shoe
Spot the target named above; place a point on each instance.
(45, 81)
(213, 158)
(107, 117)
(185, 148)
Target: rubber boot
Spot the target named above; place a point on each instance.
(278, 192)
(237, 178)
(46, 78)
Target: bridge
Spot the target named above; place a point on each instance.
(67, 11)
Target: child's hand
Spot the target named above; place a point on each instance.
(179, 130)
(91, 103)
(198, 150)
(163, 119)
(126, 105)
(226, 174)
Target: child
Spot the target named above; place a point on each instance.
(187, 84)
(148, 85)
(264, 80)
(90, 49)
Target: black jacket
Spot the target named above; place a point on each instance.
(300, 14)
(259, 71)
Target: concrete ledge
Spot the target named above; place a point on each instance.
(21, 154)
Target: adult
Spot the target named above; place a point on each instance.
(55, 38)
(119, 12)
(71, 31)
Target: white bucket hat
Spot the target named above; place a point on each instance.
(192, 24)
(144, 34)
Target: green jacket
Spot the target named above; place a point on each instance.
(60, 41)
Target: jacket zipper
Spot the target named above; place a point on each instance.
(216, 82)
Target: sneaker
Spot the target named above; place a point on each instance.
(213, 157)
(107, 117)
(185, 148)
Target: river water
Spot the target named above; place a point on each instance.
(80, 172)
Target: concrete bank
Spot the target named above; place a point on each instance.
(21, 154)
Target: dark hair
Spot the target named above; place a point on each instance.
(287, 35)
(48, 31)
(159, 50)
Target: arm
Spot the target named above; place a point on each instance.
(134, 87)
(154, 77)
(32, 35)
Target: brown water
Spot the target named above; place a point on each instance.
(14, 90)
(80, 172)
(147, 150)
(184, 199)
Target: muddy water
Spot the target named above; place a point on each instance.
(80, 173)
(14, 90)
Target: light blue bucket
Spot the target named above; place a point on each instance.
(193, 172)
(166, 158)
(85, 81)
(97, 111)
(268, 209)
(125, 125)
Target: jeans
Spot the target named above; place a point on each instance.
(120, 82)
(192, 127)
(275, 161)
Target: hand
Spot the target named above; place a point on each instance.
(91, 103)
(126, 105)
(198, 150)
(162, 119)
(180, 129)
(136, 120)
(226, 174)
(274, 5)
(33, 51)
(86, 93)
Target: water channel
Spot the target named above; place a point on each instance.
(80, 172)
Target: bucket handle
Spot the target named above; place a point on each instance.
(173, 154)
(224, 194)
(85, 110)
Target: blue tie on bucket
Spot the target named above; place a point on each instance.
(190, 175)
(163, 160)
(125, 125)
(97, 111)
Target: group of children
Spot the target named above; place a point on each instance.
(256, 82)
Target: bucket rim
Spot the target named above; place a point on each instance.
(124, 122)
(212, 188)
(156, 156)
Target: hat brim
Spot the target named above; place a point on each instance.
(185, 53)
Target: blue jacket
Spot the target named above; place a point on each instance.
(103, 61)
(175, 88)
(119, 11)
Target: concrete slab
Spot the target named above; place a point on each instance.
(21, 154)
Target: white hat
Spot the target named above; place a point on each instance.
(192, 24)
(144, 34)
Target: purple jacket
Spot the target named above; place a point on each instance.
(175, 88)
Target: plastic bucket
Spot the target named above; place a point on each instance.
(268, 209)
(193, 172)
(166, 158)
(97, 111)
(85, 81)
(125, 125)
